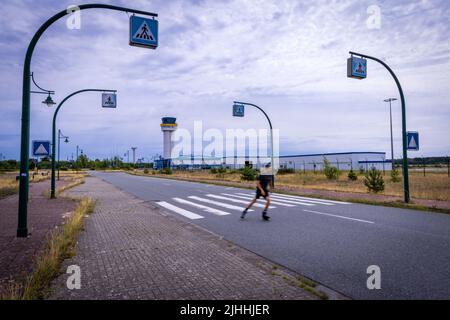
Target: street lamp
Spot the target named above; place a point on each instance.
(392, 139)
(402, 99)
(53, 182)
(24, 179)
(66, 140)
(49, 101)
(238, 104)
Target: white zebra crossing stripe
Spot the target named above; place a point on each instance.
(299, 198)
(301, 203)
(217, 203)
(250, 198)
(205, 208)
(237, 201)
(310, 202)
(311, 199)
(178, 210)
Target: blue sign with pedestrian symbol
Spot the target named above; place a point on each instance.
(41, 148)
(356, 68)
(143, 32)
(413, 140)
(238, 110)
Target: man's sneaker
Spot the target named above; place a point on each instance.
(243, 214)
(265, 216)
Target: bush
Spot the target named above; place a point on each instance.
(248, 174)
(352, 176)
(146, 171)
(213, 171)
(373, 180)
(395, 176)
(332, 173)
(166, 171)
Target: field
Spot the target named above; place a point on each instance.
(435, 185)
(9, 185)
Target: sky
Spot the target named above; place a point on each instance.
(288, 57)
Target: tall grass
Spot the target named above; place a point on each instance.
(60, 246)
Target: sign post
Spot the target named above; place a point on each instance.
(143, 32)
(413, 140)
(238, 110)
(109, 100)
(357, 68)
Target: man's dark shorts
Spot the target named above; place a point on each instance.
(259, 194)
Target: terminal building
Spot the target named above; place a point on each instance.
(307, 162)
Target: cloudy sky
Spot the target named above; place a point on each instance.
(289, 57)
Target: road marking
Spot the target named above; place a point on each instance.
(181, 211)
(205, 208)
(298, 202)
(311, 200)
(219, 204)
(250, 198)
(237, 201)
(336, 216)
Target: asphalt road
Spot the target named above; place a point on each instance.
(332, 243)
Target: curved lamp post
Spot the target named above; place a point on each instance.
(22, 229)
(404, 137)
(53, 184)
(271, 135)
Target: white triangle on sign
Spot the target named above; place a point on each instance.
(41, 150)
(412, 143)
(144, 33)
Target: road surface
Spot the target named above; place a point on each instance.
(330, 242)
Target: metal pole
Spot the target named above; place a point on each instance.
(22, 229)
(392, 138)
(53, 183)
(404, 137)
(59, 150)
(423, 160)
(271, 136)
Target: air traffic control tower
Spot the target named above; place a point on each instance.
(168, 126)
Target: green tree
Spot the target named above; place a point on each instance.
(332, 173)
(352, 175)
(395, 176)
(248, 174)
(374, 181)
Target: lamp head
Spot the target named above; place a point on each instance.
(67, 140)
(49, 101)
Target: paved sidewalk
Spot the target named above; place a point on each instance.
(17, 255)
(131, 250)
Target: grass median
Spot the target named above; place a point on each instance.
(60, 246)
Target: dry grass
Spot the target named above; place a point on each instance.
(60, 246)
(8, 186)
(434, 186)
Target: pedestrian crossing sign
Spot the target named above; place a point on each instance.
(41, 148)
(413, 141)
(143, 32)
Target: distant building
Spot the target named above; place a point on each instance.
(342, 161)
(308, 162)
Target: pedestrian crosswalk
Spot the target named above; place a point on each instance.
(199, 206)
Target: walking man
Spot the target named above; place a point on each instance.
(263, 182)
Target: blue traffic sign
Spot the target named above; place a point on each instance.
(109, 100)
(413, 140)
(356, 68)
(238, 110)
(143, 32)
(41, 148)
